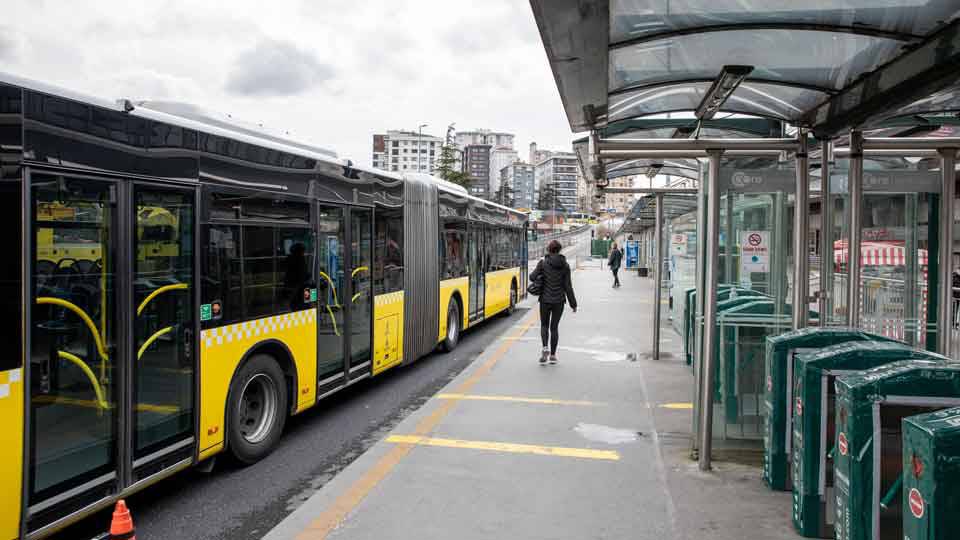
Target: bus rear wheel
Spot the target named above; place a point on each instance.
(512, 308)
(453, 327)
(257, 409)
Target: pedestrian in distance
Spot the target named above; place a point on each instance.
(552, 279)
(616, 257)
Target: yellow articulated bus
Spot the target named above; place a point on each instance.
(180, 285)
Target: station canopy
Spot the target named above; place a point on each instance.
(827, 66)
(643, 213)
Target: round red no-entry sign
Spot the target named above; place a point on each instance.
(916, 503)
(842, 443)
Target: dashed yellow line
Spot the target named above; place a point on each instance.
(539, 401)
(513, 448)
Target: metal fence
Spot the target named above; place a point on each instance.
(537, 248)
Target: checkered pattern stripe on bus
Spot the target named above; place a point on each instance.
(389, 298)
(7, 380)
(266, 327)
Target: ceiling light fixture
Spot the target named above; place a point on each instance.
(722, 88)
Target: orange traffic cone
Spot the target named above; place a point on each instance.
(121, 526)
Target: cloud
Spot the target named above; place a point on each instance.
(8, 47)
(276, 68)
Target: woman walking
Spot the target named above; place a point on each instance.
(614, 263)
(553, 274)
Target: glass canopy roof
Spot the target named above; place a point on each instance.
(828, 65)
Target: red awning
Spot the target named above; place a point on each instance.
(877, 253)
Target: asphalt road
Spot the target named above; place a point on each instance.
(244, 503)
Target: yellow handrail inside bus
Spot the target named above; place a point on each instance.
(153, 338)
(354, 299)
(101, 401)
(333, 287)
(158, 292)
(83, 316)
(360, 269)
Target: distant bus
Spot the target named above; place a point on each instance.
(582, 218)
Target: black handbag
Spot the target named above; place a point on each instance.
(536, 285)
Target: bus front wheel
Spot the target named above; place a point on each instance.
(453, 327)
(257, 409)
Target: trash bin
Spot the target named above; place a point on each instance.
(778, 392)
(643, 271)
(743, 330)
(870, 408)
(931, 479)
(813, 432)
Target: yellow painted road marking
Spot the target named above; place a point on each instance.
(513, 448)
(541, 401)
(331, 518)
(676, 405)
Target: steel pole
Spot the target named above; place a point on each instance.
(826, 234)
(801, 227)
(711, 263)
(945, 279)
(658, 281)
(729, 243)
(695, 355)
(855, 188)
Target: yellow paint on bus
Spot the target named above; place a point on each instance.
(496, 296)
(387, 331)
(11, 451)
(222, 349)
(448, 288)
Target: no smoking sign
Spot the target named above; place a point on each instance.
(754, 252)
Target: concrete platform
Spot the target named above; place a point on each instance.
(597, 446)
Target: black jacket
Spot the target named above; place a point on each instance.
(557, 287)
(615, 257)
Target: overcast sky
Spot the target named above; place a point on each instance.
(332, 72)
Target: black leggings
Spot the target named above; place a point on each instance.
(549, 324)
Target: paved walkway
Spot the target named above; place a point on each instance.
(594, 447)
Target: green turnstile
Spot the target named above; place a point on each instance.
(931, 479)
(813, 431)
(743, 330)
(869, 463)
(726, 292)
(778, 392)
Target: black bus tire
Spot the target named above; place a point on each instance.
(512, 308)
(256, 409)
(454, 322)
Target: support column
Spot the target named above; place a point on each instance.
(911, 244)
(948, 158)
(729, 244)
(855, 189)
(801, 227)
(826, 234)
(711, 263)
(697, 352)
(658, 281)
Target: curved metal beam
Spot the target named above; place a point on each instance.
(836, 28)
(693, 80)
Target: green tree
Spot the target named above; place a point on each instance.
(504, 194)
(446, 164)
(548, 198)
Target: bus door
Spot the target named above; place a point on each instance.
(112, 338)
(477, 265)
(361, 292)
(331, 297)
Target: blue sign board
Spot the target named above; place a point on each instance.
(632, 254)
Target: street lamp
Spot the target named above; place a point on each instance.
(419, 137)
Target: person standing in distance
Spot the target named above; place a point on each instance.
(616, 256)
(553, 273)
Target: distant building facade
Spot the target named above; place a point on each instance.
(537, 155)
(401, 151)
(485, 136)
(522, 180)
(476, 163)
(500, 157)
(558, 174)
(621, 203)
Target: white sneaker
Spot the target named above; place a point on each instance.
(553, 359)
(543, 356)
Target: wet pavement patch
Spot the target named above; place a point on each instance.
(607, 434)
